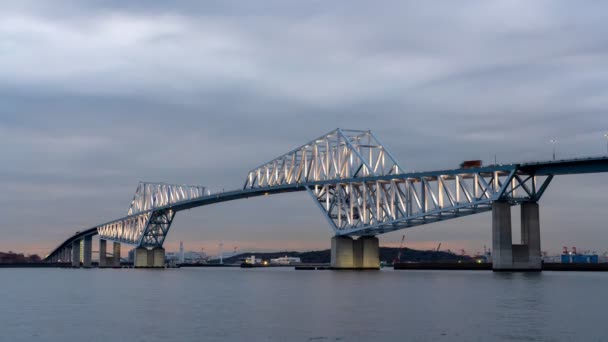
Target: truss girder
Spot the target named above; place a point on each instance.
(148, 229)
(127, 230)
(150, 196)
(340, 154)
(376, 206)
(157, 229)
(150, 214)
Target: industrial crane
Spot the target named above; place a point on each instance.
(399, 251)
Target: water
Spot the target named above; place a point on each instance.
(281, 304)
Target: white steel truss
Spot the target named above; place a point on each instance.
(158, 227)
(150, 215)
(127, 230)
(340, 154)
(378, 205)
(155, 195)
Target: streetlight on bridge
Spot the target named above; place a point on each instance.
(553, 142)
(606, 136)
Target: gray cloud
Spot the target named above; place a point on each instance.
(96, 96)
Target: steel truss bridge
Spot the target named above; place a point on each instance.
(356, 183)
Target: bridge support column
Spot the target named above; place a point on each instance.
(366, 252)
(116, 254)
(76, 253)
(103, 245)
(530, 234)
(342, 252)
(154, 257)
(68, 254)
(88, 251)
(150, 258)
(65, 255)
(520, 257)
(141, 257)
(158, 257)
(363, 253)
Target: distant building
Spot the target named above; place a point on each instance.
(182, 257)
(251, 260)
(285, 261)
(132, 255)
(190, 257)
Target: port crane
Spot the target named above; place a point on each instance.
(400, 249)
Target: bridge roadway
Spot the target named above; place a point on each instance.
(539, 169)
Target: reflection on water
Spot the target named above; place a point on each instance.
(228, 304)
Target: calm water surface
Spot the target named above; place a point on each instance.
(280, 304)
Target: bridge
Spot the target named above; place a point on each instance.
(361, 190)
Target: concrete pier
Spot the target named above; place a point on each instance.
(366, 252)
(158, 257)
(141, 257)
(530, 233)
(342, 252)
(507, 256)
(116, 254)
(149, 257)
(64, 255)
(502, 256)
(87, 251)
(102, 252)
(76, 253)
(363, 253)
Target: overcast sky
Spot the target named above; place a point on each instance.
(98, 95)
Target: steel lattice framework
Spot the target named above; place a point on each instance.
(340, 154)
(365, 192)
(383, 204)
(356, 183)
(150, 215)
(156, 195)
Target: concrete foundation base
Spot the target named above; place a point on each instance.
(141, 257)
(150, 258)
(158, 259)
(519, 257)
(363, 253)
(342, 252)
(146, 258)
